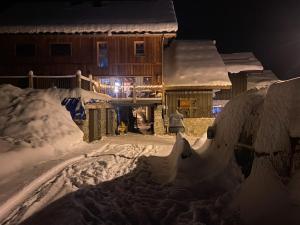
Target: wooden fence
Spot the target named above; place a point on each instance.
(87, 83)
(44, 82)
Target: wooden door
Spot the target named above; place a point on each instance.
(94, 125)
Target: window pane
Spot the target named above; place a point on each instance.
(60, 49)
(139, 48)
(26, 50)
(103, 55)
(105, 81)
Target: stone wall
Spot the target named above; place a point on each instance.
(159, 128)
(197, 126)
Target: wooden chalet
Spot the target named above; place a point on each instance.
(113, 47)
(115, 41)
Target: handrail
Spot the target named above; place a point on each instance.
(55, 77)
(7, 77)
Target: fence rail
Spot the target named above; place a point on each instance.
(87, 83)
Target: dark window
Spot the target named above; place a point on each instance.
(60, 50)
(25, 50)
(103, 55)
(147, 80)
(139, 48)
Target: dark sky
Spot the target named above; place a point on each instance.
(270, 29)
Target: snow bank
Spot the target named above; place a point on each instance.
(199, 184)
(33, 126)
(264, 198)
(192, 185)
(281, 117)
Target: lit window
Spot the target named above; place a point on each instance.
(105, 81)
(139, 48)
(60, 49)
(25, 50)
(102, 55)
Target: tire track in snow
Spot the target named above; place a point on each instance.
(84, 171)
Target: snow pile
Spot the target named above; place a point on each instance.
(191, 185)
(84, 17)
(281, 117)
(239, 62)
(194, 63)
(199, 184)
(33, 126)
(264, 197)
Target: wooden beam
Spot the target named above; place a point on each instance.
(194, 88)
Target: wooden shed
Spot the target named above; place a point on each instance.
(239, 66)
(100, 116)
(192, 71)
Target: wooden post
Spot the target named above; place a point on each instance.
(163, 95)
(134, 94)
(99, 88)
(30, 77)
(78, 78)
(78, 83)
(91, 82)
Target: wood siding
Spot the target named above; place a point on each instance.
(200, 103)
(239, 85)
(84, 49)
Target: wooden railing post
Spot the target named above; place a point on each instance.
(91, 82)
(78, 83)
(30, 79)
(163, 95)
(78, 78)
(134, 94)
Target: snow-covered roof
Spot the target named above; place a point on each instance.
(144, 16)
(194, 63)
(239, 62)
(261, 79)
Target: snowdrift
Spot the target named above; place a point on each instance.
(194, 184)
(33, 126)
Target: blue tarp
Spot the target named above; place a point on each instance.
(75, 107)
(216, 110)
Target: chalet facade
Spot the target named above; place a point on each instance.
(124, 49)
(115, 41)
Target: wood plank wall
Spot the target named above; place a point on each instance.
(121, 58)
(202, 107)
(239, 85)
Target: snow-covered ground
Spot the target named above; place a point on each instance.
(139, 179)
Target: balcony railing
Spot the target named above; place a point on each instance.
(117, 92)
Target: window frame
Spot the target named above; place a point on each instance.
(60, 43)
(98, 54)
(135, 48)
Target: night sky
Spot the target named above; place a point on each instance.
(270, 29)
